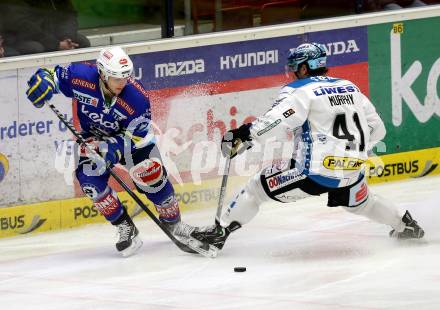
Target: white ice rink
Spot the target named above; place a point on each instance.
(298, 256)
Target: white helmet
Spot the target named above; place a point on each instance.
(114, 62)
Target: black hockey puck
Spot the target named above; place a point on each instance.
(239, 269)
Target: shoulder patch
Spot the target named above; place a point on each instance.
(123, 104)
(139, 87)
(84, 83)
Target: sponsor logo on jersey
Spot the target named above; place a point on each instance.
(248, 59)
(84, 83)
(108, 204)
(276, 168)
(118, 115)
(322, 138)
(139, 87)
(342, 163)
(179, 68)
(334, 90)
(284, 179)
(90, 190)
(148, 172)
(99, 119)
(64, 72)
(341, 47)
(169, 208)
(269, 127)
(338, 100)
(123, 104)
(288, 113)
(123, 61)
(362, 193)
(85, 98)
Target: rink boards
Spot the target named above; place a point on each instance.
(69, 213)
(200, 86)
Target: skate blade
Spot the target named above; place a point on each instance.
(206, 250)
(136, 244)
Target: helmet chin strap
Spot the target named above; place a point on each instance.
(105, 89)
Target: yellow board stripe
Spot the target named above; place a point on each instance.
(68, 213)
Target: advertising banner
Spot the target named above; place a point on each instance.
(404, 68)
(28, 140)
(70, 213)
(198, 93)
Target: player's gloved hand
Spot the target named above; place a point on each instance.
(41, 87)
(108, 149)
(111, 150)
(236, 141)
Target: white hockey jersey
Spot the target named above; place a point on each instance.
(334, 126)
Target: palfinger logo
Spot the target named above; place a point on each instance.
(342, 163)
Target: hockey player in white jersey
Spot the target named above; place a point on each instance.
(334, 126)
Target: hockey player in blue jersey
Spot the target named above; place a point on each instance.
(114, 114)
(334, 126)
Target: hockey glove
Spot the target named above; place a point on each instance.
(236, 141)
(41, 87)
(109, 149)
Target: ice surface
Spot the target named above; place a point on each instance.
(298, 256)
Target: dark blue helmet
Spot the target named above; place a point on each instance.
(311, 53)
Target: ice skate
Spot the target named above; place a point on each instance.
(179, 229)
(182, 232)
(412, 229)
(129, 241)
(215, 235)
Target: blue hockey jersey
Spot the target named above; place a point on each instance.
(128, 115)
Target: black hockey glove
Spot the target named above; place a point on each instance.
(236, 141)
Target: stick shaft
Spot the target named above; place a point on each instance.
(222, 193)
(115, 176)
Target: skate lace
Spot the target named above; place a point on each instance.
(183, 230)
(124, 230)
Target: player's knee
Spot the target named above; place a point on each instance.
(254, 187)
(362, 208)
(149, 174)
(94, 191)
(92, 187)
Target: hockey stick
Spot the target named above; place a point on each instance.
(222, 193)
(184, 247)
(225, 177)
